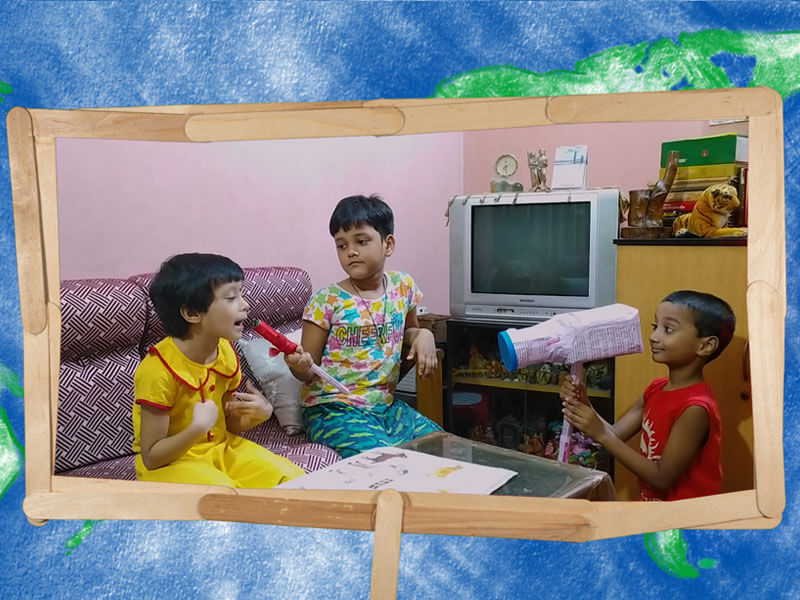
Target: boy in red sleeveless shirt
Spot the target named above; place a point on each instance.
(679, 451)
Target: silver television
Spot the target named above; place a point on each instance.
(528, 256)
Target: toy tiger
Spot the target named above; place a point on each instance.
(709, 216)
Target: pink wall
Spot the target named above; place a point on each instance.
(124, 206)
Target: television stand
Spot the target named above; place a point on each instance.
(518, 410)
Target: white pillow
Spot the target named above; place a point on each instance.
(276, 380)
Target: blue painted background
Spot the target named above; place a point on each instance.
(86, 54)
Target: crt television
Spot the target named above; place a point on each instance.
(529, 256)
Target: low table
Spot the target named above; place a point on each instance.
(536, 476)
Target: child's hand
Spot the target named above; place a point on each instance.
(250, 406)
(424, 351)
(578, 411)
(573, 388)
(299, 362)
(204, 415)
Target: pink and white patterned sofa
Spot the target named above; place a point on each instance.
(107, 326)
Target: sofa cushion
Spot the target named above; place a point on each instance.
(100, 315)
(153, 329)
(276, 295)
(102, 325)
(275, 380)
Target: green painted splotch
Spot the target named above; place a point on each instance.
(9, 380)
(649, 66)
(11, 451)
(5, 89)
(668, 549)
(82, 534)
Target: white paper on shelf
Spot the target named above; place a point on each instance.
(403, 470)
(580, 336)
(570, 166)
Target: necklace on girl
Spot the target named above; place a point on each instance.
(382, 337)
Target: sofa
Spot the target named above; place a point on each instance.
(107, 326)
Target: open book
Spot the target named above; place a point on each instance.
(403, 470)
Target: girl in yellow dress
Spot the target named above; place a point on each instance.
(186, 411)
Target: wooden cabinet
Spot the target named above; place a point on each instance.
(520, 410)
(646, 273)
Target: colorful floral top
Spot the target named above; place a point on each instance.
(365, 338)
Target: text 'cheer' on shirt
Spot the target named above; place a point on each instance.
(365, 339)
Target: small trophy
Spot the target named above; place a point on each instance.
(537, 164)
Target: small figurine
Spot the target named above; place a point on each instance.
(482, 433)
(544, 374)
(476, 360)
(509, 431)
(532, 444)
(550, 449)
(494, 369)
(537, 164)
(583, 450)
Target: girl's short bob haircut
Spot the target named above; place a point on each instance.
(188, 281)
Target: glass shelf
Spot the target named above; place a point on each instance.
(521, 385)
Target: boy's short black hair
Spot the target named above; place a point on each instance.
(712, 316)
(189, 280)
(354, 211)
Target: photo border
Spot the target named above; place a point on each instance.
(31, 137)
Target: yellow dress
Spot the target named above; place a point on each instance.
(167, 380)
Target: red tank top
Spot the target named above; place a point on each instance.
(661, 410)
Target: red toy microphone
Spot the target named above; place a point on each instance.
(287, 346)
(280, 341)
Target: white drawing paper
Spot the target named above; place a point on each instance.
(405, 471)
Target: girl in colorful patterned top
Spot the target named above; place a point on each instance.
(355, 330)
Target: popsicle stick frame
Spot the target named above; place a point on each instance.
(32, 134)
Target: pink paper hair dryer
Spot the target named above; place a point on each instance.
(573, 338)
(287, 346)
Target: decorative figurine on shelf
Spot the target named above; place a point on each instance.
(482, 433)
(537, 164)
(495, 369)
(583, 450)
(509, 432)
(550, 449)
(532, 444)
(710, 214)
(598, 375)
(476, 360)
(505, 166)
(544, 374)
(646, 207)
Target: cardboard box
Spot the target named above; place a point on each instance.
(712, 150)
(437, 324)
(705, 172)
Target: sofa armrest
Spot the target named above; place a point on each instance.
(429, 392)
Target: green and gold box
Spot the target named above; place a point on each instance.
(712, 150)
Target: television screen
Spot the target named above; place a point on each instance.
(531, 249)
